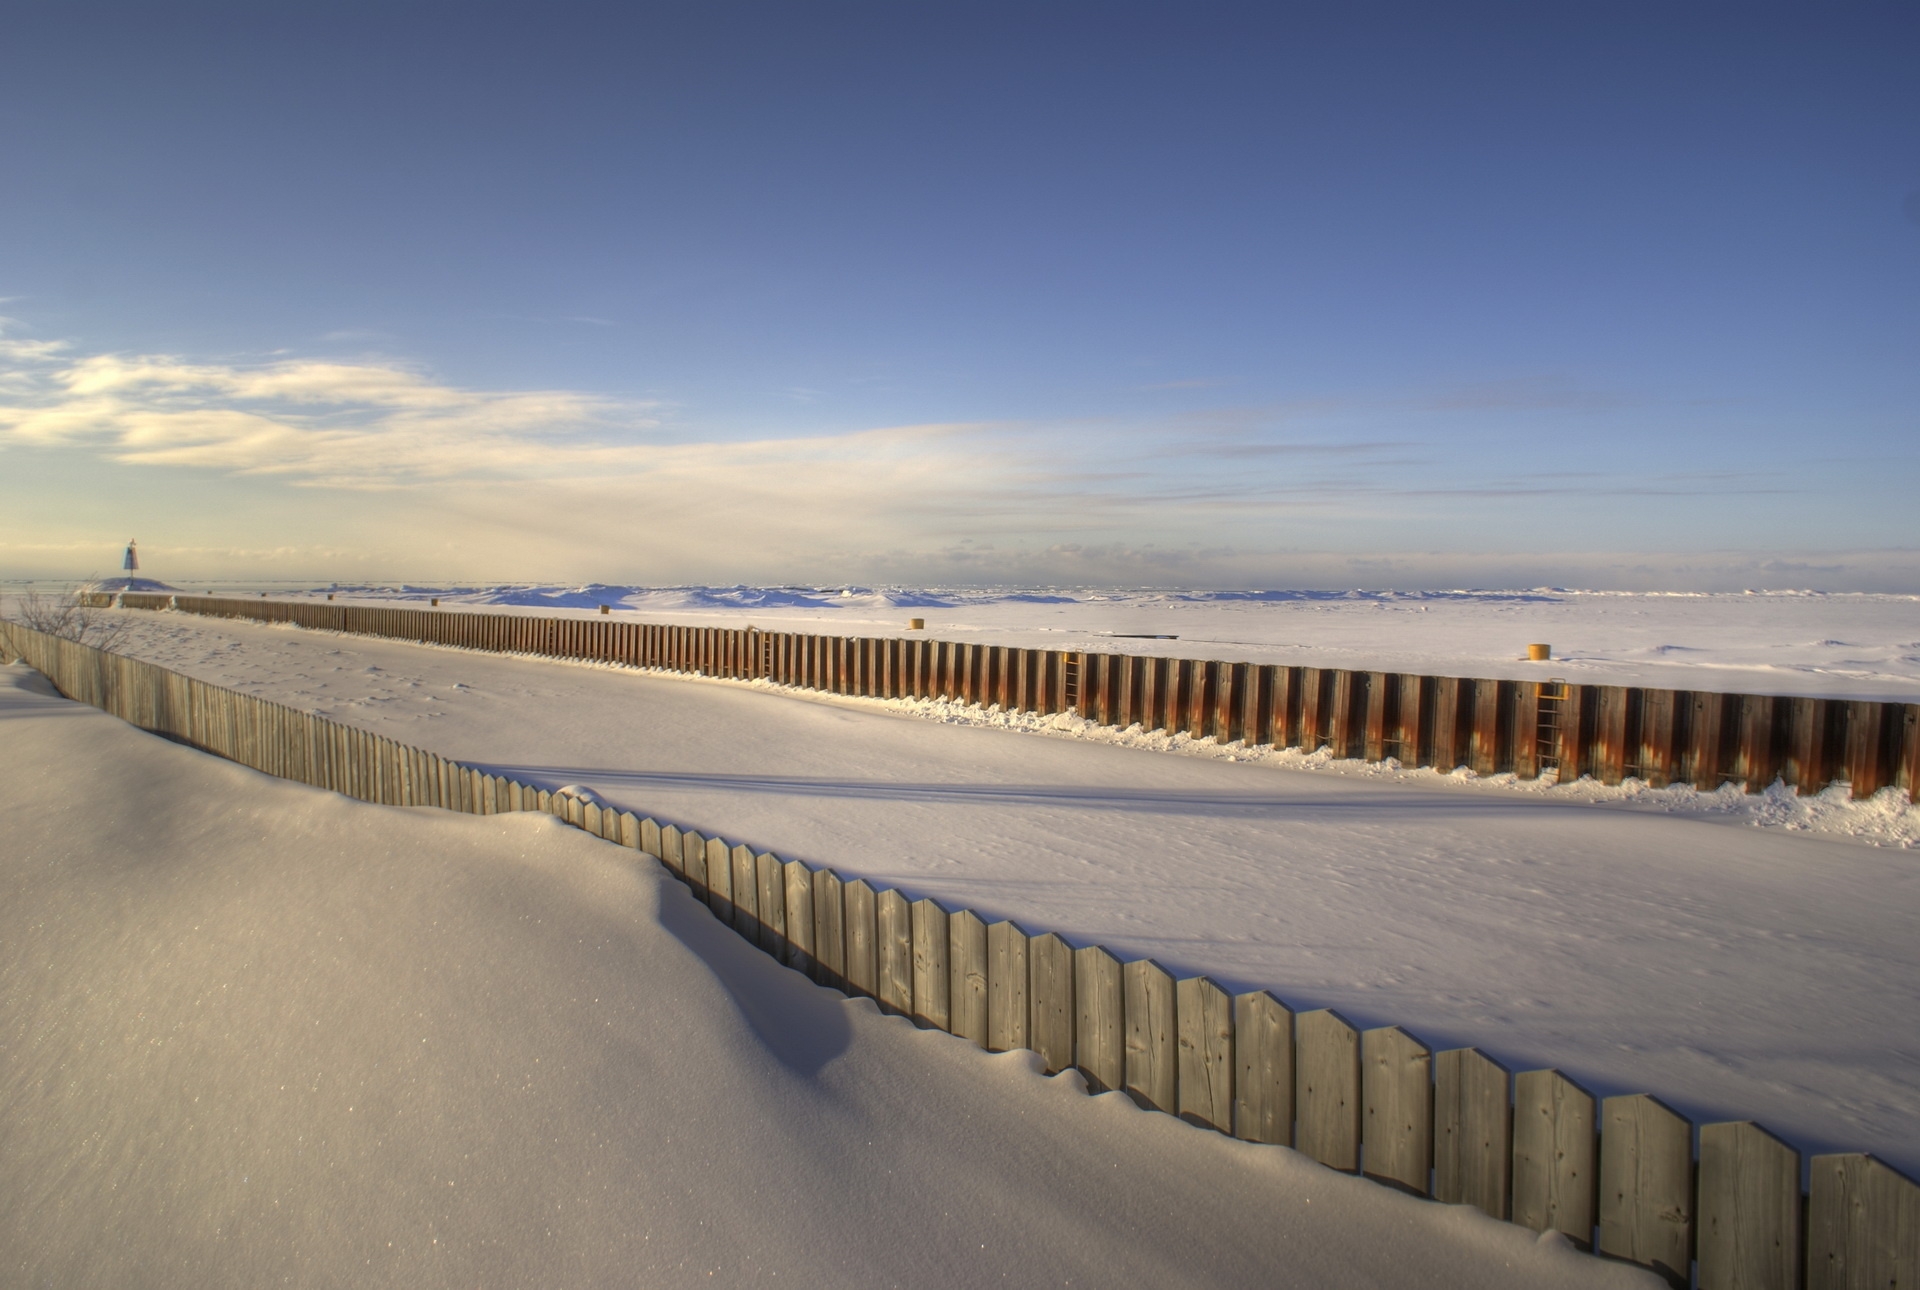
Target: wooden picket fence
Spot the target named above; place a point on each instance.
(1720, 1206)
(1528, 728)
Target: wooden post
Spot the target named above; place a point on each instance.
(1749, 1211)
(1472, 1131)
(932, 973)
(1099, 1043)
(1555, 1162)
(1396, 1089)
(1864, 774)
(1381, 689)
(1313, 716)
(967, 976)
(1646, 1185)
(1153, 1069)
(1263, 1074)
(1007, 981)
(1610, 735)
(1704, 766)
(1655, 759)
(1863, 1225)
(1446, 723)
(1050, 1001)
(1754, 761)
(1409, 747)
(1492, 704)
(1327, 1084)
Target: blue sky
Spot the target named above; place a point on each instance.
(1168, 294)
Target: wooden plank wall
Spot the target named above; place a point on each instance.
(1620, 1176)
(1491, 727)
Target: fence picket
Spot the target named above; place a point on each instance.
(932, 977)
(1327, 1089)
(1555, 1155)
(1749, 1209)
(1263, 1075)
(1099, 1000)
(1472, 1131)
(1646, 1185)
(1396, 1089)
(1007, 982)
(1204, 1024)
(967, 976)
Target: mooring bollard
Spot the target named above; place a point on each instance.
(916, 624)
(1539, 653)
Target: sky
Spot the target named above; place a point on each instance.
(1383, 295)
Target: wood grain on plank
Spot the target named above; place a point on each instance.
(1472, 1131)
(1327, 1089)
(1153, 1044)
(1555, 1155)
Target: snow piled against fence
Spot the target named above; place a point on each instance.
(261, 1034)
(1840, 645)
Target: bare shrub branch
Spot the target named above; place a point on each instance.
(71, 615)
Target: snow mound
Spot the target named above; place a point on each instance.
(261, 1034)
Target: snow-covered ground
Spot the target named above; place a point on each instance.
(1848, 645)
(258, 1034)
(1641, 941)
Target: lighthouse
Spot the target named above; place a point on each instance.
(131, 562)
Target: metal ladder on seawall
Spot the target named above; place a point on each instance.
(1551, 698)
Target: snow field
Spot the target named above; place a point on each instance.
(258, 1033)
(1734, 972)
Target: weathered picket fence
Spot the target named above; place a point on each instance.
(1628, 1177)
(1492, 726)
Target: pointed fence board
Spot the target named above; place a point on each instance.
(1863, 1225)
(1327, 1089)
(771, 904)
(1263, 1075)
(1749, 1210)
(1204, 1021)
(1472, 1131)
(932, 977)
(800, 925)
(1153, 1052)
(1007, 979)
(967, 977)
(1646, 1185)
(1555, 1155)
(863, 949)
(746, 893)
(719, 879)
(1099, 999)
(1396, 1089)
(894, 919)
(693, 862)
(1050, 1001)
(829, 930)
